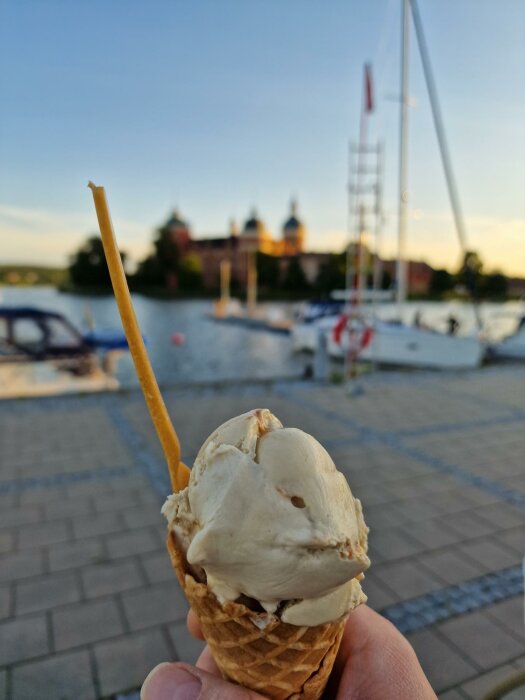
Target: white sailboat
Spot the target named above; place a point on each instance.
(397, 343)
(512, 347)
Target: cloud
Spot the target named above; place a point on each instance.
(49, 237)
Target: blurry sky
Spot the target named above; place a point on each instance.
(220, 106)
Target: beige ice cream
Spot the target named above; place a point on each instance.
(266, 515)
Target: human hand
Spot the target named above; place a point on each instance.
(375, 662)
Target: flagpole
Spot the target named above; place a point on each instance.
(401, 267)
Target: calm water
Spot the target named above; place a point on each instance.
(215, 351)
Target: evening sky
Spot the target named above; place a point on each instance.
(217, 107)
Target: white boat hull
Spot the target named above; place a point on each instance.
(409, 346)
(511, 348)
(305, 336)
(28, 379)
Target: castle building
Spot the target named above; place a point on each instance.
(236, 247)
(294, 233)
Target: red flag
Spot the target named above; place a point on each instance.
(369, 95)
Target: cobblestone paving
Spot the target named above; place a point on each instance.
(88, 600)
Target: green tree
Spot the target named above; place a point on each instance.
(190, 274)
(295, 279)
(441, 283)
(386, 280)
(494, 286)
(331, 274)
(150, 273)
(267, 271)
(160, 268)
(88, 267)
(167, 252)
(470, 271)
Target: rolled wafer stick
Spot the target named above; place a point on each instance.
(179, 472)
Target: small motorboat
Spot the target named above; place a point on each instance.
(42, 353)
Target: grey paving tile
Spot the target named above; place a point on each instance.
(453, 504)
(23, 638)
(442, 663)
(134, 542)
(454, 694)
(7, 541)
(124, 663)
(382, 516)
(156, 604)
(489, 554)
(3, 684)
(158, 567)
(70, 555)
(45, 593)
(97, 524)
(417, 509)
(18, 565)
(70, 508)
(511, 614)
(502, 515)
(86, 622)
(482, 640)
(407, 579)
(478, 687)
(14, 516)
(45, 533)
(187, 647)
(433, 533)
(393, 544)
(5, 601)
(451, 565)
(379, 596)
(519, 663)
(65, 676)
(514, 538)
(142, 517)
(468, 524)
(103, 579)
(125, 497)
(35, 498)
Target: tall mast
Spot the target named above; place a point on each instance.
(442, 141)
(401, 268)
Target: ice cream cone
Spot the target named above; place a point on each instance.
(281, 661)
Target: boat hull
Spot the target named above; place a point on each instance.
(409, 346)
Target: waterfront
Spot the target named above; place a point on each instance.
(216, 352)
(88, 599)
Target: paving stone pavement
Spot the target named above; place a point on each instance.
(88, 600)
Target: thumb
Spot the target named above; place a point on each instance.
(184, 682)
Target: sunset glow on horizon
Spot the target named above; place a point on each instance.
(216, 108)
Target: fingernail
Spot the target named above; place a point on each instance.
(185, 686)
(170, 682)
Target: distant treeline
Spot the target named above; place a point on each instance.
(164, 272)
(30, 275)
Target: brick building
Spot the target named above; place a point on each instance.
(237, 246)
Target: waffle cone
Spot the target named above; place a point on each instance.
(281, 661)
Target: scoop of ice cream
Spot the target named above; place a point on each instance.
(267, 515)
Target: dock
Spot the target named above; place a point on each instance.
(89, 602)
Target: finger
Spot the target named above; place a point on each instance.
(169, 681)
(207, 662)
(376, 661)
(194, 625)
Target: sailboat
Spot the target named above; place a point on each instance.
(395, 343)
